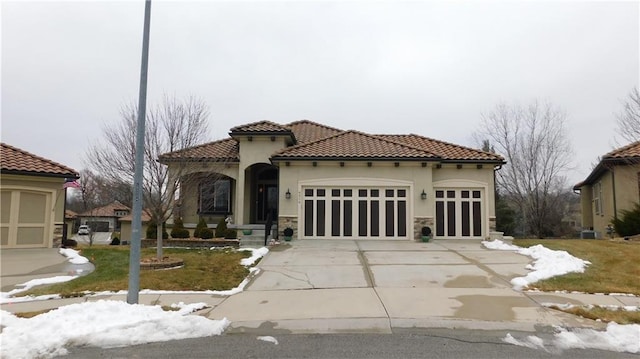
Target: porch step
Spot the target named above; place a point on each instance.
(253, 240)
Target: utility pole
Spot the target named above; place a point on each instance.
(136, 222)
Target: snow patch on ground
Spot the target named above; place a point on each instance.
(73, 255)
(547, 262)
(255, 255)
(616, 337)
(268, 339)
(103, 324)
(6, 297)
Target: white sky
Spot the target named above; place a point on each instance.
(94, 323)
(419, 67)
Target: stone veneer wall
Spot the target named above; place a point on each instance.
(286, 221)
(418, 223)
(492, 224)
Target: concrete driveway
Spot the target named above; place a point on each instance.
(320, 286)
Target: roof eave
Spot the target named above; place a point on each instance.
(40, 174)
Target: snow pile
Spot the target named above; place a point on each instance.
(566, 306)
(547, 263)
(255, 255)
(103, 324)
(618, 338)
(73, 255)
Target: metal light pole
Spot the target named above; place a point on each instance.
(136, 222)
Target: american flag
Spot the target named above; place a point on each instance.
(71, 183)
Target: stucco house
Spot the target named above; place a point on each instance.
(32, 198)
(324, 182)
(105, 218)
(612, 186)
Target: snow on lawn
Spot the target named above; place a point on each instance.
(255, 255)
(547, 262)
(73, 255)
(617, 338)
(103, 324)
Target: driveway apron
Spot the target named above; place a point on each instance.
(316, 286)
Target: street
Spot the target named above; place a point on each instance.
(404, 343)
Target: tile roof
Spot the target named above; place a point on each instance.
(308, 131)
(625, 155)
(314, 140)
(223, 150)
(260, 127)
(15, 160)
(444, 150)
(353, 145)
(629, 151)
(105, 211)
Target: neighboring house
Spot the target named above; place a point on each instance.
(328, 183)
(105, 218)
(612, 186)
(125, 226)
(31, 197)
(71, 220)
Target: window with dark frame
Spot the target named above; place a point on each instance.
(215, 197)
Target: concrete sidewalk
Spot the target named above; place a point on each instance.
(330, 286)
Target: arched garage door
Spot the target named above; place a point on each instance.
(355, 212)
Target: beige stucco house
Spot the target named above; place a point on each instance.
(31, 197)
(612, 186)
(324, 182)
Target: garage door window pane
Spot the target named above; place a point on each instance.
(321, 193)
(320, 220)
(451, 194)
(362, 218)
(389, 220)
(348, 213)
(308, 218)
(375, 218)
(477, 220)
(389, 193)
(335, 217)
(440, 218)
(466, 230)
(476, 194)
(451, 218)
(308, 192)
(348, 192)
(402, 218)
(375, 193)
(362, 193)
(335, 192)
(402, 193)
(439, 194)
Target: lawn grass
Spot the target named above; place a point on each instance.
(614, 268)
(203, 269)
(604, 314)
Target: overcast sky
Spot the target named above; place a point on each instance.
(430, 68)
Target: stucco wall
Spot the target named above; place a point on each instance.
(418, 178)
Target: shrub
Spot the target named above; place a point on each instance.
(629, 223)
(115, 241)
(221, 229)
(202, 224)
(178, 230)
(231, 234)
(152, 228)
(206, 233)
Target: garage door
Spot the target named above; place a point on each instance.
(329, 212)
(24, 220)
(459, 213)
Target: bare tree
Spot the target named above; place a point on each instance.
(628, 120)
(533, 141)
(170, 126)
